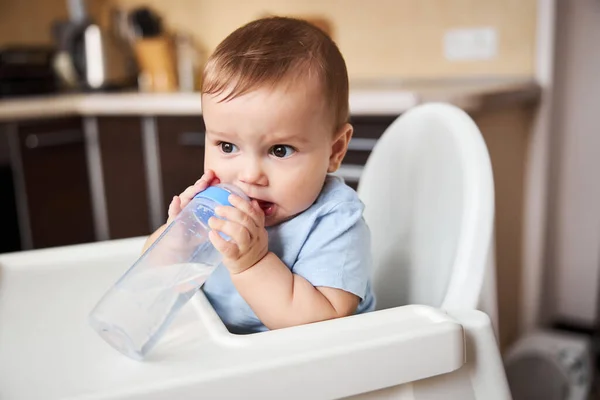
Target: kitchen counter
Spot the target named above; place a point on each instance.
(366, 98)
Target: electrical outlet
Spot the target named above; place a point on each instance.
(471, 44)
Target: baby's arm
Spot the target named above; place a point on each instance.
(179, 202)
(281, 299)
(278, 297)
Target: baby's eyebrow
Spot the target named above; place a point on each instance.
(290, 139)
(221, 134)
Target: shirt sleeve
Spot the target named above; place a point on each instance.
(337, 251)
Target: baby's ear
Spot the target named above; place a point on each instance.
(339, 146)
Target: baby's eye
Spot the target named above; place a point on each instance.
(228, 148)
(282, 151)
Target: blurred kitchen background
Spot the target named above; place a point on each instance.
(100, 120)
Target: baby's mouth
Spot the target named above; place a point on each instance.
(267, 207)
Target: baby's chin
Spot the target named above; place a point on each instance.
(275, 220)
(276, 214)
(278, 217)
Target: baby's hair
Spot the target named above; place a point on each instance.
(276, 50)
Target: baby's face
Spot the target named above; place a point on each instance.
(276, 144)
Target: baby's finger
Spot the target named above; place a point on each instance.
(236, 215)
(238, 233)
(205, 180)
(201, 184)
(187, 195)
(174, 208)
(259, 211)
(209, 178)
(227, 249)
(253, 211)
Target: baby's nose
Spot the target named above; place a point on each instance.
(254, 174)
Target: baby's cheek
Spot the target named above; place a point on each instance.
(302, 201)
(222, 172)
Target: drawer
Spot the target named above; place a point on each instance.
(367, 130)
(124, 176)
(49, 160)
(371, 127)
(181, 150)
(359, 150)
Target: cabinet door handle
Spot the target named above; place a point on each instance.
(192, 138)
(53, 139)
(361, 144)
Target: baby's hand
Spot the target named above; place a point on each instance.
(179, 202)
(244, 223)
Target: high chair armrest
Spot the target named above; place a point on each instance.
(339, 357)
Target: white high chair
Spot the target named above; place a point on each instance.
(429, 196)
(428, 192)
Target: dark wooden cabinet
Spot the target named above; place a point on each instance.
(181, 150)
(371, 126)
(124, 176)
(367, 130)
(49, 160)
(137, 165)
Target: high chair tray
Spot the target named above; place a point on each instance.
(48, 351)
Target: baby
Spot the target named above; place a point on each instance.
(275, 105)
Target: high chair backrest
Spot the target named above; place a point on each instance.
(428, 191)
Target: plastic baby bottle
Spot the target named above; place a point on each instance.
(135, 312)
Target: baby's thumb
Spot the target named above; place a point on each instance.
(256, 206)
(174, 209)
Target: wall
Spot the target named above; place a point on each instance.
(29, 21)
(381, 38)
(384, 39)
(506, 132)
(574, 242)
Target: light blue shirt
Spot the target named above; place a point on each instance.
(328, 245)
